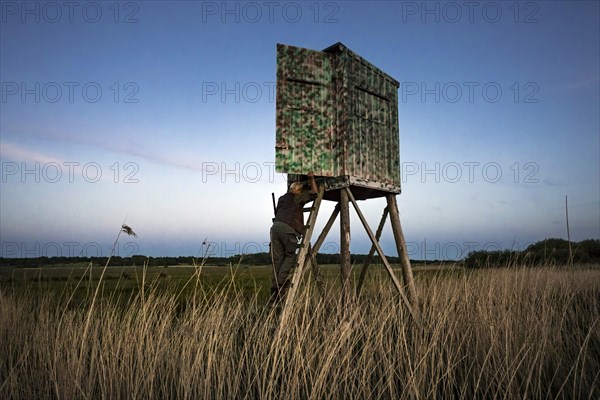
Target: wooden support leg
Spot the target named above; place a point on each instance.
(407, 274)
(345, 244)
(363, 272)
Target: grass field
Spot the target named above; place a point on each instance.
(185, 332)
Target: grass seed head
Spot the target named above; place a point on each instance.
(127, 229)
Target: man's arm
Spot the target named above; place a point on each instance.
(313, 184)
(308, 196)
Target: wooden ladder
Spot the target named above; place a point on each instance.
(301, 258)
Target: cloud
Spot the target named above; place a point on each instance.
(15, 153)
(161, 155)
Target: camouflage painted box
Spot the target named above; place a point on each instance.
(337, 115)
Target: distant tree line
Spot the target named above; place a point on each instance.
(548, 251)
(140, 260)
(545, 252)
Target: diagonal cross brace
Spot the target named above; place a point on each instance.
(383, 257)
(363, 272)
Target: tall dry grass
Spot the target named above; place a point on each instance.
(510, 333)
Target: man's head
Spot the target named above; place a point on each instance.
(296, 188)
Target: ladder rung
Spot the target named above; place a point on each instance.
(307, 209)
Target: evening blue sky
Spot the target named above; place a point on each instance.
(163, 114)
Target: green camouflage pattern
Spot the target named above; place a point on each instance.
(337, 116)
(305, 117)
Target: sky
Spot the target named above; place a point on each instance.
(162, 115)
